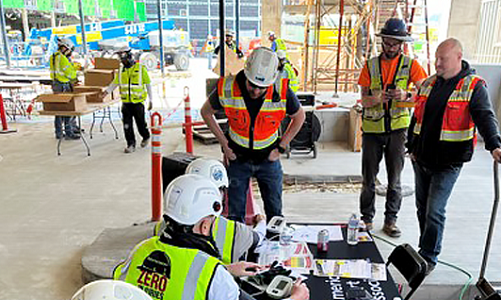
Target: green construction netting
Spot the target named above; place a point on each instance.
(141, 11)
(105, 7)
(45, 5)
(71, 6)
(13, 3)
(89, 7)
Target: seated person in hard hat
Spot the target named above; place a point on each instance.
(230, 43)
(110, 290)
(183, 262)
(233, 239)
(255, 105)
(286, 71)
(135, 85)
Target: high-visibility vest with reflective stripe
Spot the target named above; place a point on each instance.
(131, 84)
(267, 123)
(288, 73)
(167, 272)
(61, 69)
(373, 118)
(224, 235)
(223, 232)
(457, 124)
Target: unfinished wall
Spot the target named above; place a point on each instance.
(464, 22)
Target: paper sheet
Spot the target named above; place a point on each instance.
(296, 256)
(350, 268)
(309, 234)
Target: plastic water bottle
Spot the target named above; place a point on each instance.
(285, 238)
(352, 230)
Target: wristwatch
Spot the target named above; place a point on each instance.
(409, 95)
(281, 149)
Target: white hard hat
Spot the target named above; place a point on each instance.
(66, 42)
(271, 33)
(261, 67)
(108, 289)
(190, 198)
(281, 54)
(209, 168)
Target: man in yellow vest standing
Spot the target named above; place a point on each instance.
(286, 71)
(135, 85)
(385, 82)
(230, 43)
(450, 106)
(276, 43)
(183, 262)
(63, 75)
(255, 106)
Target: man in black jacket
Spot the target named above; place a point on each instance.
(450, 106)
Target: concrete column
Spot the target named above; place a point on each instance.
(26, 27)
(271, 19)
(464, 20)
(52, 19)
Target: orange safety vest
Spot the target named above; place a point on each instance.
(268, 120)
(457, 125)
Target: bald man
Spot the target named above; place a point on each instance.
(450, 106)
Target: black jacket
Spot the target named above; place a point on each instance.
(428, 149)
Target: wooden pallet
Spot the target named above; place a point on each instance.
(203, 134)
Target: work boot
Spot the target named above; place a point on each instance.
(130, 149)
(145, 142)
(368, 226)
(391, 229)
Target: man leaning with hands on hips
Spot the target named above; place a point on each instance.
(255, 106)
(450, 106)
(385, 81)
(134, 83)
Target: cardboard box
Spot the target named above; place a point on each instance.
(107, 63)
(93, 93)
(63, 102)
(355, 131)
(99, 77)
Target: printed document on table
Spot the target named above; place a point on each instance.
(309, 233)
(350, 268)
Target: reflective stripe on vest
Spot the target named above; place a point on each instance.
(288, 73)
(267, 121)
(224, 235)
(457, 124)
(131, 86)
(167, 272)
(59, 64)
(373, 117)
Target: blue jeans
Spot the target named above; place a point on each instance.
(433, 188)
(269, 178)
(69, 122)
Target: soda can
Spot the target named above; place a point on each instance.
(323, 240)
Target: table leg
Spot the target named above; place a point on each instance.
(111, 122)
(59, 145)
(82, 136)
(92, 125)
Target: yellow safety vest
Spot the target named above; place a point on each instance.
(167, 272)
(223, 233)
(373, 118)
(132, 82)
(288, 73)
(61, 69)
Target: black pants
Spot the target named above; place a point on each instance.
(136, 111)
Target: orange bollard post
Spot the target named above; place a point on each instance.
(5, 127)
(156, 167)
(188, 130)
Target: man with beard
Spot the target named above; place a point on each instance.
(385, 81)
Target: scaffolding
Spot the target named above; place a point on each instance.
(354, 22)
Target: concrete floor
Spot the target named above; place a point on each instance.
(54, 206)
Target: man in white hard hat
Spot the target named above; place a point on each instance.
(255, 106)
(276, 43)
(64, 75)
(234, 240)
(230, 43)
(183, 262)
(286, 70)
(135, 86)
(110, 290)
